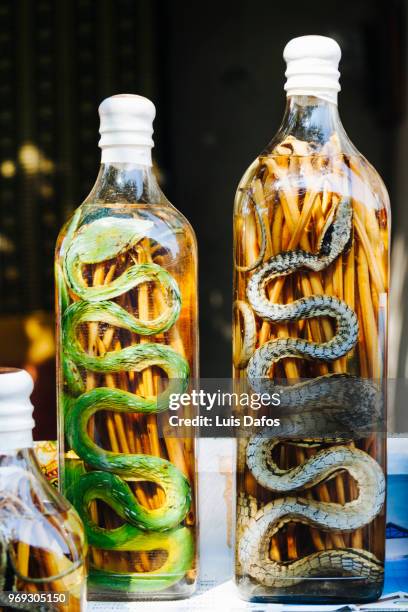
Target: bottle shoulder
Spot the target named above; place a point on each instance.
(311, 150)
(285, 171)
(161, 222)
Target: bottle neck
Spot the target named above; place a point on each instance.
(127, 154)
(125, 182)
(16, 410)
(313, 120)
(11, 441)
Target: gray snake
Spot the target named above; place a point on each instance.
(334, 241)
(257, 526)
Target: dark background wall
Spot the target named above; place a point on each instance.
(216, 74)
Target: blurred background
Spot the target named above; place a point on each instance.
(215, 72)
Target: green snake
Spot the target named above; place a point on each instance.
(256, 525)
(101, 240)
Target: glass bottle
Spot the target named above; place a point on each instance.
(42, 543)
(311, 234)
(126, 275)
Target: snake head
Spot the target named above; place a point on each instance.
(336, 235)
(99, 241)
(106, 238)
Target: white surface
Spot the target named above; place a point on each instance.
(312, 67)
(216, 507)
(126, 128)
(16, 410)
(224, 598)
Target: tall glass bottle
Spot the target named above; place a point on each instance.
(42, 542)
(126, 275)
(311, 233)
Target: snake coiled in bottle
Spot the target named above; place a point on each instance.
(258, 525)
(144, 529)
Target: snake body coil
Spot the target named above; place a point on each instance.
(333, 243)
(257, 526)
(144, 529)
(327, 516)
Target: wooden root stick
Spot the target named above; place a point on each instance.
(369, 254)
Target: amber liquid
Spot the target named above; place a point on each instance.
(171, 245)
(295, 197)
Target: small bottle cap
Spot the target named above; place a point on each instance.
(312, 67)
(126, 128)
(16, 410)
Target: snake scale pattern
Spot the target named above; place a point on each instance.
(256, 525)
(143, 529)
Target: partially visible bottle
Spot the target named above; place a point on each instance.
(42, 542)
(311, 236)
(126, 272)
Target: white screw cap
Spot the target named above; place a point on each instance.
(126, 128)
(312, 67)
(16, 421)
